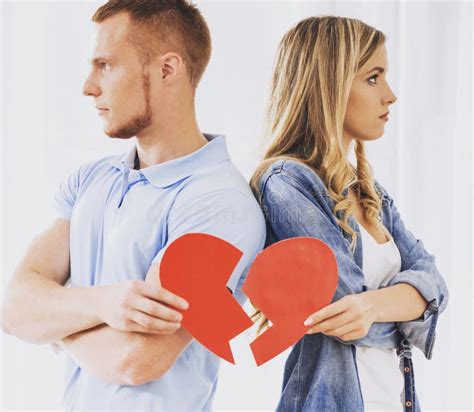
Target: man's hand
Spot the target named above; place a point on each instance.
(349, 318)
(117, 354)
(138, 306)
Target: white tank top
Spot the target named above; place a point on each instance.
(380, 376)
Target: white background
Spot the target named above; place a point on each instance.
(424, 159)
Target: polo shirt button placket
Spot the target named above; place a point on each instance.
(133, 176)
(126, 181)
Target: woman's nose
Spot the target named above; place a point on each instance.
(392, 98)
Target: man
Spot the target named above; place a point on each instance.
(115, 216)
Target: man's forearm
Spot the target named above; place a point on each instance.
(101, 351)
(125, 358)
(39, 310)
(398, 303)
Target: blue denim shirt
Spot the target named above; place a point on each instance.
(321, 371)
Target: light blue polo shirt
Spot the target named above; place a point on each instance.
(121, 221)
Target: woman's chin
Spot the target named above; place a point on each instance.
(369, 138)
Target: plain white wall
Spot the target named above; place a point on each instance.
(424, 159)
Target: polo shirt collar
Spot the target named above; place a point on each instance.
(170, 172)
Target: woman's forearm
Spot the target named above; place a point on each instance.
(398, 303)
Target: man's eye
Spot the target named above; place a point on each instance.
(373, 77)
(103, 65)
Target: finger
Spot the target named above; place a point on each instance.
(326, 312)
(335, 321)
(157, 310)
(165, 296)
(135, 327)
(342, 330)
(150, 322)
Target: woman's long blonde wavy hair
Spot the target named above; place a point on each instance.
(316, 63)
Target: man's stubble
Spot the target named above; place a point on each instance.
(139, 122)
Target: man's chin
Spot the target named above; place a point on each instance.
(119, 137)
(128, 129)
(118, 134)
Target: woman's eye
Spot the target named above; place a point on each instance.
(103, 65)
(373, 77)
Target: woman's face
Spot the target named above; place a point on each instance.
(369, 98)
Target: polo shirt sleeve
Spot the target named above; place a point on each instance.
(229, 214)
(66, 195)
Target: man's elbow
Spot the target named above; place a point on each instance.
(11, 326)
(5, 325)
(148, 358)
(27, 332)
(135, 377)
(136, 369)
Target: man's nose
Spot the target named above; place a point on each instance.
(90, 89)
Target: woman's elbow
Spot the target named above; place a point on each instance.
(443, 293)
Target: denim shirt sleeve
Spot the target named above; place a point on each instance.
(291, 211)
(418, 270)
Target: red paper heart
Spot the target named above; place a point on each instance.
(289, 281)
(197, 267)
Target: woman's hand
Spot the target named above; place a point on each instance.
(349, 318)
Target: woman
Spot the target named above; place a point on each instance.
(329, 91)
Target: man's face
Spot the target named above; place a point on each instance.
(369, 98)
(116, 80)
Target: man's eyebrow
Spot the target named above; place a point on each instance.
(380, 69)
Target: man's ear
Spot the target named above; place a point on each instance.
(172, 65)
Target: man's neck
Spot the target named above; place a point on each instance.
(167, 147)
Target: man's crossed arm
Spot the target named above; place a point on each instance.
(127, 358)
(38, 308)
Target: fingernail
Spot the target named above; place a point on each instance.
(307, 322)
(184, 304)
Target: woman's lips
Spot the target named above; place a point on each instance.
(385, 118)
(102, 111)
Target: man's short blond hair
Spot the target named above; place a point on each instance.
(160, 26)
